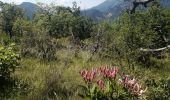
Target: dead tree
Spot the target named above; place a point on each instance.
(136, 3)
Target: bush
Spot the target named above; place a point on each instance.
(43, 48)
(8, 61)
(159, 90)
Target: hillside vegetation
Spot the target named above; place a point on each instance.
(61, 55)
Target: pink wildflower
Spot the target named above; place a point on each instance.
(132, 85)
(88, 75)
(101, 84)
(109, 73)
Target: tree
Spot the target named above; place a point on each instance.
(75, 9)
(147, 29)
(8, 61)
(63, 21)
(9, 13)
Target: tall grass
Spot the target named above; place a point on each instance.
(59, 79)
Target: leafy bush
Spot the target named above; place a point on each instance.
(159, 90)
(43, 48)
(5, 40)
(8, 61)
(103, 84)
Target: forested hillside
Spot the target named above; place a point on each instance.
(56, 53)
(29, 9)
(111, 9)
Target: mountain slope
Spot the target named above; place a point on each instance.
(106, 5)
(29, 8)
(165, 3)
(108, 9)
(111, 9)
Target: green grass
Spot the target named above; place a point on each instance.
(60, 79)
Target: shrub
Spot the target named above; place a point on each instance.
(43, 48)
(8, 61)
(159, 90)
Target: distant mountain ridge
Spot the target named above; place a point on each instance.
(165, 3)
(109, 9)
(29, 8)
(106, 5)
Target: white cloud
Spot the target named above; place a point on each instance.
(84, 4)
(69, 3)
(14, 1)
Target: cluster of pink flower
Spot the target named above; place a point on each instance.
(88, 75)
(132, 85)
(109, 73)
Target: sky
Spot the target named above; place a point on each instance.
(84, 4)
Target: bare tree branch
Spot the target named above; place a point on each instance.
(155, 50)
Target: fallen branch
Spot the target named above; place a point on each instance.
(155, 50)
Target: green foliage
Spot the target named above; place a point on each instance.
(82, 27)
(58, 40)
(43, 48)
(5, 40)
(8, 61)
(9, 14)
(62, 22)
(159, 90)
(143, 32)
(143, 29)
